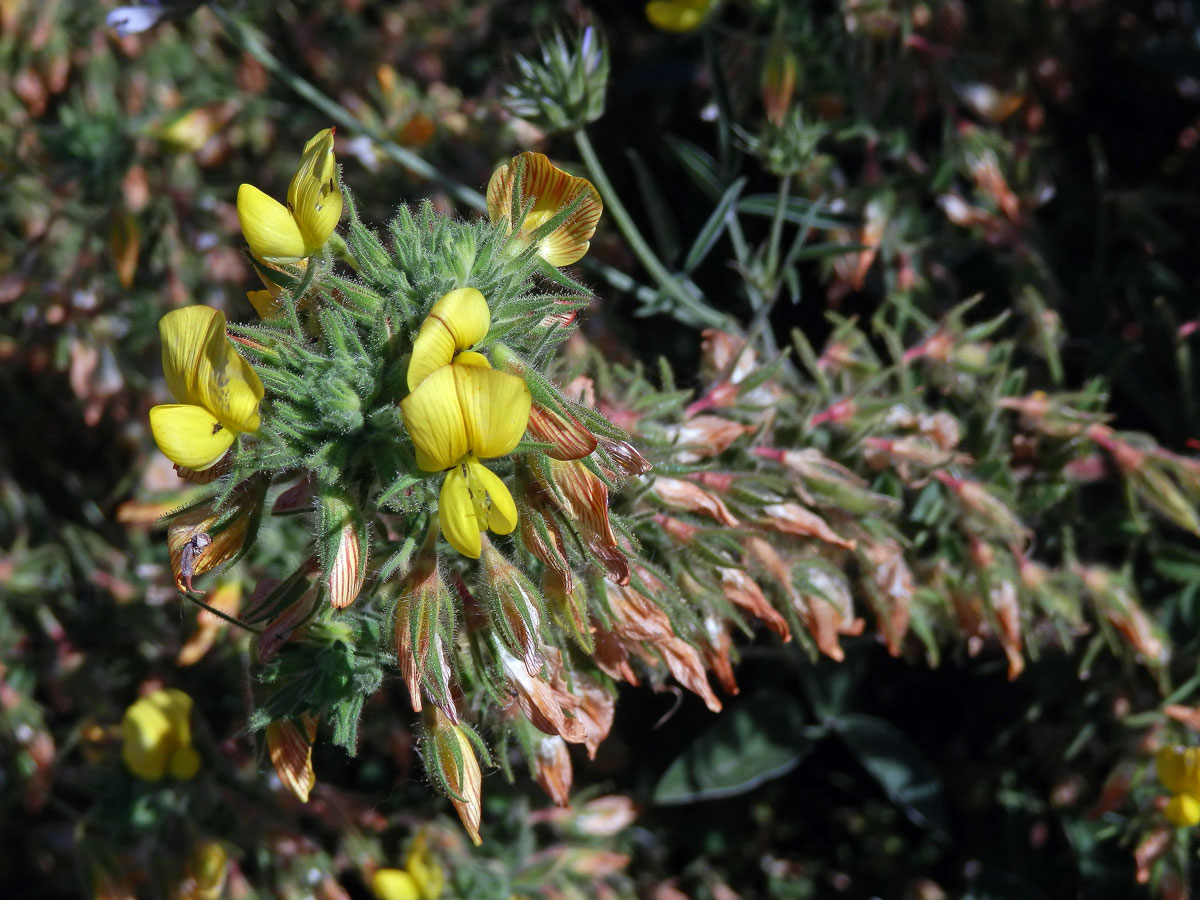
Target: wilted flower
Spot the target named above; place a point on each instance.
(461, 410)
(156, 736)
(288, 234)
(217, 391)
(552, 191)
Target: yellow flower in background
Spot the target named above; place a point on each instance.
(461, 410)
(217, 391)
(288, 234)
(679, 16)
(552, 190)
(1183, 811)
(1178, 768)
(156, 736)
(421, 878)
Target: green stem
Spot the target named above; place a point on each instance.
(220, 615)
(781, 198)
(671, 285)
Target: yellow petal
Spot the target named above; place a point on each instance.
(184, 764)
(314, 197)
(1183, 811)
(394, 884)
(554, 190)
(264, 303)
(186, 334)
(145, 740)
(423, 866)
(269, 228)
(202, 368)
(458, 320)
(434, 420)
(456, 510)
(189, 435)
(495, 409)
(177, 707)
(471, 358)
(502, 511)
(499, 195)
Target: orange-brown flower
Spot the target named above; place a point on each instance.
(552, 190)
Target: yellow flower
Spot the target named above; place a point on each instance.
(1179, 769)
(461, 410)
(552, 190)
(1183, 811)
(421, 879)
(288, 234)
(678, 15)
(157, 736)
(218, 392)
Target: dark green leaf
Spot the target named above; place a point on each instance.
(899, 767)
(752, 743)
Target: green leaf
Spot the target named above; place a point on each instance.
(756, 741)
(658, 211)
(899, 767)
(798, 211)
(1177, 563)
(698, 164)
(714, 227)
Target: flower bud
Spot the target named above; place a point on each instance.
(290, 750)
(342, 545)
(424, 615)
(778, 80)
(516, 606)
(565, 89)
(570, 438)
(452, 762)
(582, 498)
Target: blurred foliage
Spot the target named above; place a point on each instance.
(947, 250)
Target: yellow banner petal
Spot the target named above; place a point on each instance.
(502, 511)
(434, 420)
(314, 197)
(185, 333)
(189, 435)
(456, 510)
(495, 409)
(269, 228)
(457, 321)
(203, 369)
